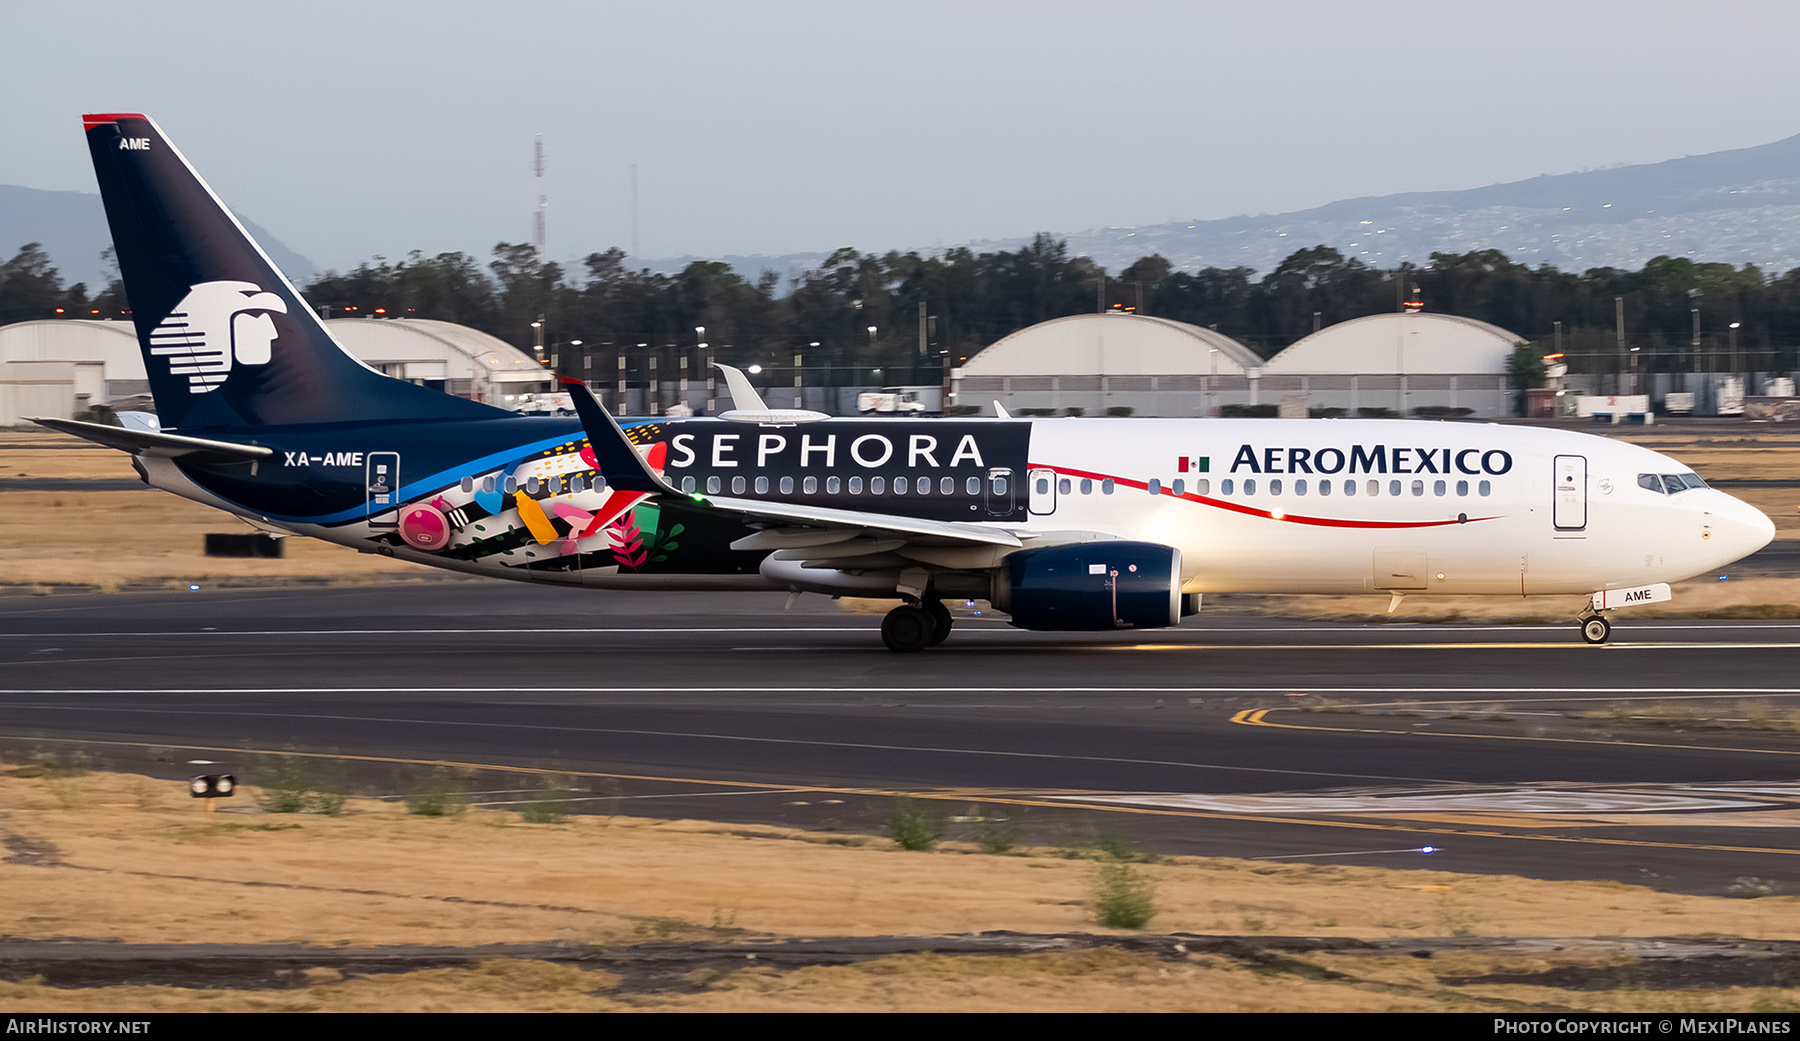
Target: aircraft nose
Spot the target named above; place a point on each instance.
(1742, 529)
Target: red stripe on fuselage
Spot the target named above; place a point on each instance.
(1323, 522)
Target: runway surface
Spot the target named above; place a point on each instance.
(1666, 757)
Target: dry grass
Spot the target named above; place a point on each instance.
(136, 861)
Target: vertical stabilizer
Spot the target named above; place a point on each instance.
(228, 343)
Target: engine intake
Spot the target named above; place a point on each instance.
(1094, 585)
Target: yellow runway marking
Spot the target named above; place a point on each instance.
(1254, 718)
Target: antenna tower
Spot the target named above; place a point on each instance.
(543, 204)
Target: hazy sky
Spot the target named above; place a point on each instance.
(350, 129)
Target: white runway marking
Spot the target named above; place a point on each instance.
(1281, 690)
(963, 625)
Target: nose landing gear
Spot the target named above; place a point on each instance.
(1595, 629)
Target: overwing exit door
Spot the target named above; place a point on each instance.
(1569, 511)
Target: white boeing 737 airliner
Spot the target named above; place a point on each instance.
(1064, 524)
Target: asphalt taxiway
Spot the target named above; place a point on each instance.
(1666, 757)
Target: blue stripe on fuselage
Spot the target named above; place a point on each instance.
(429, 444)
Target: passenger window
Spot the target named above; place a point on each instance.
(1485, 487)
(1418, 487)
(924, 486)
(1300, 486)
(972, 486)
(737, 486)
(578, 484)
(1179, 486)
(1462, 487)
(832, 485)
(899, 486)
(487, 484)
(599, 483)
(1087, 486)
(687, 483)
(1062, 486)
(1275, 486)
(1325, 487)
(1249, 486)
(877, 485)
(762, 486)
(787, 486)
(512, 486)
(999, 486)
(1438, 487)
(855, 486)
(712, 485)
(1155, 486)
(1225, 486)
(1106, 486)
(1043, 486)
(1374, 487)
(468, 485)
(532, 484)
(1202, 486)
(810, 485)
(1393, 487)
(946, 486)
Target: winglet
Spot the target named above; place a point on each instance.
(620, 464)
(744, 397)
(1000, 410)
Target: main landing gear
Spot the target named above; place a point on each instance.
(914, 627)
(1595, 628)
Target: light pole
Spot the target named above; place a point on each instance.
(537, 338)
(1735, 367)
(871, 342)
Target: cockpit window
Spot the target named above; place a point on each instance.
(1669, 484)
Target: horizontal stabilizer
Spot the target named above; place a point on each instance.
(155, 442)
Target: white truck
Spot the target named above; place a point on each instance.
(901, 401)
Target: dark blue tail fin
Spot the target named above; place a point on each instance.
(227, 340)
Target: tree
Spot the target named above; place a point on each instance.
(30, 288)
(1524, 370)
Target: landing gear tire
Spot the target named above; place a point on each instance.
(940, 621)
(1596, 629)
(907, 629)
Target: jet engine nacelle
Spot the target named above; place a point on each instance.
(1094, 585)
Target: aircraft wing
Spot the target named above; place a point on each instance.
(834, 533)
(126, 439)
(908, 528)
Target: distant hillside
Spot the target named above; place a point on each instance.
(72, 228)
(1740, 206)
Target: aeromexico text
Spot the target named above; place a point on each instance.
(866, 446)
(1372, 459)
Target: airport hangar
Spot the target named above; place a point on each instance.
(1106, 363)
(59, 367)
(1095, 363)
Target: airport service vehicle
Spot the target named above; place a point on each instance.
(1063, 524)
(893, 401)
